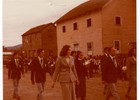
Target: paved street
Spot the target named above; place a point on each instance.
(29, 91)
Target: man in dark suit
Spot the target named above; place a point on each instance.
(38, 72)
(110, 74)
(103, 59)
(14, 73)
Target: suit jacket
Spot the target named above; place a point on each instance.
(109, 71)
(15, 71)
(63, 70)
(80, 68)
(103, 65)
(38, 72)
(131, 67)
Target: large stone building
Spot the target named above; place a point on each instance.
(96, 24)
(40, 37)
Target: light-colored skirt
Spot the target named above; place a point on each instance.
(68, 90)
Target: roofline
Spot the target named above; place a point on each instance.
(24, 34)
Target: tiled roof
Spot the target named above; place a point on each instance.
(37, 29)
(83, 9)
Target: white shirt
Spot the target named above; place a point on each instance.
(40, 60)
(114, 60)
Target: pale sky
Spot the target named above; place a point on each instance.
(21, 15)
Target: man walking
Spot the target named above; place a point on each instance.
(14, 73)
(110, 74)
(38, 72)
(103, 60)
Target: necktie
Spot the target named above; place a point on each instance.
(41, 61)
(17, 62)
(115, 63)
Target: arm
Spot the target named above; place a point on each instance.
(9, 70)
(56, 72)
(32, 72)
(128, 68)
(22, 67)
(103, 68)
(57, 69)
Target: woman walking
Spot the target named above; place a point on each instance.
(66, 73)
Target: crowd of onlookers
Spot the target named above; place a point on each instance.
(93, 64)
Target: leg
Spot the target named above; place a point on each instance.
(114, 91)
(127, 93)
(40, 91)
(15, 84)
(66, 91)
(108, 92)
(73, 90)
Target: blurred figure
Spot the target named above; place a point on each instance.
(14, 73)
(51, 63)
(73, 54)
(110, 74)
(82, 73)
(38, 72)
(103, 60)
(131, 71)
(66, 73)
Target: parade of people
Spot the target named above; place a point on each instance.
(89, 53)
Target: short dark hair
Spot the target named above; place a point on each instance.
(106, 48)
(39, 51)
(73, 52)
(78, 53)
(131, 51)
(64, 50)
(109, 48)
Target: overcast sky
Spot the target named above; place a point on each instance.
(21, 15)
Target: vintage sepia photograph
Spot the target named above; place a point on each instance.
(69, 49)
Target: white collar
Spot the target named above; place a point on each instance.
(111, 57)
(40, 58)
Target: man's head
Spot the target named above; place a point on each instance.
(16, 54)
(106, 50)
(40, 52)
(112, 51)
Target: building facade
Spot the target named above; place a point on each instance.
(40, 37)
(96, 24)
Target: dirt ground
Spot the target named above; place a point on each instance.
(28, 91)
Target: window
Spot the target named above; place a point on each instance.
(117, 45)
(75, 26)
(76, 47)
(118, 20)
(89, 48)
(64, 29)
(88, 22)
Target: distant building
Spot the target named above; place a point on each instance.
(96, 24)
(43, 36)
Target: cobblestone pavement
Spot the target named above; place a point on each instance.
(28, 91)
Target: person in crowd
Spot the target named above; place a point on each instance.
(110, 74)
(103, 59)
(131, 71)
(38, 72)
(15, 70)
(26, 67)
(66, 74)
(73, 54)
(82, 73)
(51, 63)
